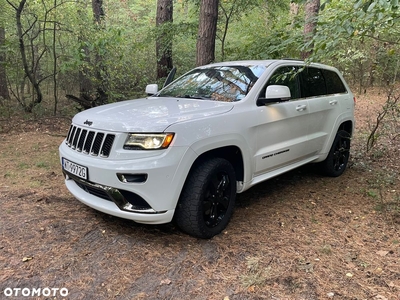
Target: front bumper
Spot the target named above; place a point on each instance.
(111, 208)
(106, 192)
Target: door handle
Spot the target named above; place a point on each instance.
(333, 102)
(301, 107)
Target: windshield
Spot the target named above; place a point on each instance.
(219, 83)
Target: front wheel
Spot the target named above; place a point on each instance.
(207, 199)
(336, 161)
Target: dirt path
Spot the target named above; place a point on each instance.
(298, 236)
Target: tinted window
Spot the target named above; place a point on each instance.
(312, 83)
(287, 76)
(334, 84)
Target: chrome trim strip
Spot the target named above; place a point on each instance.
(114, 194)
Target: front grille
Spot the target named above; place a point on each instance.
(91, 142)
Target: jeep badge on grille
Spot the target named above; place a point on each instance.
(87, 122)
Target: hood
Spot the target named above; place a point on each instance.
(149, 114)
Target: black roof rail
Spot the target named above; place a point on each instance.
(296, 59)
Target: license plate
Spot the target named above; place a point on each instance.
(75, 169)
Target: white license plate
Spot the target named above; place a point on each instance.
(75, 169)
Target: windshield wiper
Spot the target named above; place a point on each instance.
(194, 97)
(162, 95)
(186, 96)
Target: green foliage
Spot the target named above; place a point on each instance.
(270, 31)
(359, 37)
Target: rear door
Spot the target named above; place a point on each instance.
(324, 90)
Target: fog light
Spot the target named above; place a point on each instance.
(132, 178)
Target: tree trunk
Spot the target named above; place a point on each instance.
(92, 84)
(85, 82)
(55, 85)
(101, 94)
(310, 26)
(3, 77)
(98, 11)
(227, 15)
(164, 40)
(30, 73)
(207, 32)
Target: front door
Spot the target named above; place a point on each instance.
(282, 128)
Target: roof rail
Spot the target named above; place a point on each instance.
(289, 58)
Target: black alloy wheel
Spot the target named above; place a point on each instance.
(216, 200)
(335, 163)
(207, 199)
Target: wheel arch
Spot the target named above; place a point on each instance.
(347, 126)
(207, 200)
(231, 153)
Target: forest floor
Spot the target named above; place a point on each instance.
(298, 236)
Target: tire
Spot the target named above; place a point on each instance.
(207, 199)
(335, 163)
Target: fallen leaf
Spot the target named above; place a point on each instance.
(382, 252)
(330, 295)
(165, 282)
(27, 258)
(349, 275)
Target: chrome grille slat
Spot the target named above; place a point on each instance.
(88, 143)
(98, 140)
(69, 132)
(95, 143)
(76, 136)
(81, 140)
(107, 144)
(71, 136)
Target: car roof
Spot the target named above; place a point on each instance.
(265, 62)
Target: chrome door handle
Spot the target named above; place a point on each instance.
(333, 102)
(301, 107)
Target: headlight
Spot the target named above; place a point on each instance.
(148, 141)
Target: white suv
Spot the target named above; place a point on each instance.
(184, 152)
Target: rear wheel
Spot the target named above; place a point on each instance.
(208, 198)
(336, 161)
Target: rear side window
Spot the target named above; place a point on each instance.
(319, 82)
(312, 83)
(307, 81)
(334, 84)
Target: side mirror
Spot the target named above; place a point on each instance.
(151, 89)
(275, 93)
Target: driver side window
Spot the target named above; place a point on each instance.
(287, 76)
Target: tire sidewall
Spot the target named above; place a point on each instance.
(189, 214)
(327, 166)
